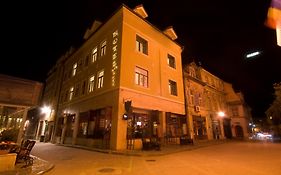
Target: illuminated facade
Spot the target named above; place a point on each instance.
(19, 99)
(124, 84)
(239, 112)
(214, 110)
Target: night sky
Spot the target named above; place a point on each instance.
(217, 33)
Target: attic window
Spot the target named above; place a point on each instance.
(171, 33)
(141, 11)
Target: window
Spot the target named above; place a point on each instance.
(103, 49)
(87, 60)
(91, 83)
(84, 87)
(74, 69)
(71, 91)
(235, 111)
(192, 72)
(77, 90)
(141, 45)
(94, 54)
(100, 79)
(141, 77)
(191, 96)
(171, 61)
(173, 88)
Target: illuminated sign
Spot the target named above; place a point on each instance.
(114, 57)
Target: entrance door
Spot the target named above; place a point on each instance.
(239, 131)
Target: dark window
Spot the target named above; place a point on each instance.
(173, 88)
(141, 45)
(171, 61)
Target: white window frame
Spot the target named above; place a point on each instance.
(100, 79)
(173, 88)
(74, 69)
(94, 54)
(141, 77)
(91, 83)
(141, 45)
(71, 92)
(172, 64)
(103, 48)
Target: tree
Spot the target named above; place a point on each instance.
(273, 113)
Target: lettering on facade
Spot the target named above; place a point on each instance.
(114, 57)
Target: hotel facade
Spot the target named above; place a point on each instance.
(125, 85)
(122, 85)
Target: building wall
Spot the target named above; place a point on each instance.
(119, 86)
(205, 99)
(240, 119)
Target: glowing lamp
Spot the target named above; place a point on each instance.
(45, 109)
(221, 114)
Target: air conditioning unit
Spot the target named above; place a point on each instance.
(197, 108)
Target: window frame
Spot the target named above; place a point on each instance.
(92, 83)
(141, 77)
(103, 48)
(173, 88)
(171, 64)
(141, 45)
(74, 69)
(100, 79)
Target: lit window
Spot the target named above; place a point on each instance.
(171, 61)
(103, 49)
(74, 69)
(141, 77)
(71, 91)
(100, 79)
(173, 88)
(94, 54)
(91, 83)
(141, 45)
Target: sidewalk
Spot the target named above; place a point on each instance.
(41, 166)
(165, 149)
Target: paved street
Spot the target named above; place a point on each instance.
(231, 158)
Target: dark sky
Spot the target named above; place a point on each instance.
(217, 33)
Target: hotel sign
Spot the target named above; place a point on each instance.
(114, 67)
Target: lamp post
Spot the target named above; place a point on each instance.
(46, 110)
(221, 115)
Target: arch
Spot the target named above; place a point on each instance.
(239, 131)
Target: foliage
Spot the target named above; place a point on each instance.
(9, 135)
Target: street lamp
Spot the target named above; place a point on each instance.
(221, 114)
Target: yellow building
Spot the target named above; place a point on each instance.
(206, 104)
(121, 86)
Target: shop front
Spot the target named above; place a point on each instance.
(200, 127)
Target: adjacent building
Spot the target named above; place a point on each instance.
(214, 109)
(239, 112)
(19, 99)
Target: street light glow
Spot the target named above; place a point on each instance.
(221, 114)
(252, 54)
(45, 109)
